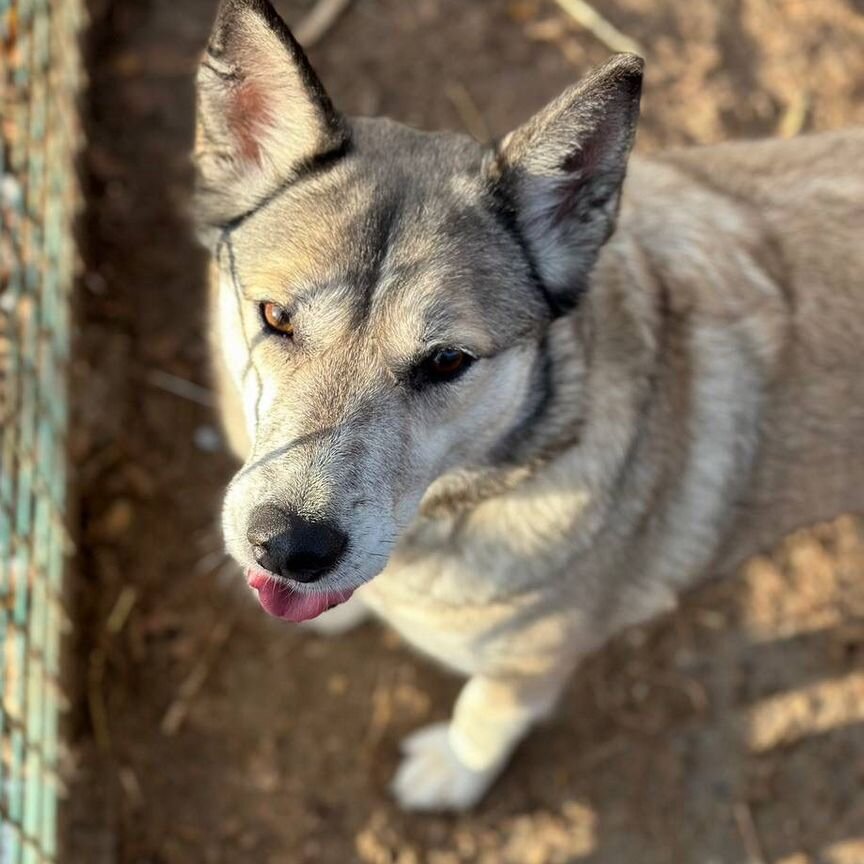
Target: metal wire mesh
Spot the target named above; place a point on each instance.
(39, 130)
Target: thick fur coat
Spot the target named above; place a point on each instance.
(654, 378)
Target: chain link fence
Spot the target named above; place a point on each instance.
(40, 75)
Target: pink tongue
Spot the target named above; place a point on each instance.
(281, 601)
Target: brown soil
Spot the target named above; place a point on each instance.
(203, 731)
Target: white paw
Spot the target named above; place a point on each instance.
(431, 776)
(340, 619)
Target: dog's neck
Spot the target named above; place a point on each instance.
(580, 367)
(679, 383)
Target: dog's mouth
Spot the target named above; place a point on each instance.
(283, 600)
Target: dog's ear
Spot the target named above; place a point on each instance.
(560, 174)
(262, 112)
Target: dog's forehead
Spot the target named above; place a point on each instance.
(399, 231)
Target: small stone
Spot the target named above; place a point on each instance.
(208, 439)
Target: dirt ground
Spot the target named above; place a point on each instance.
(202, 731)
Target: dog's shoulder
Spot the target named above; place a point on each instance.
(784, 213)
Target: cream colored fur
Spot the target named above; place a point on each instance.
(703, 395)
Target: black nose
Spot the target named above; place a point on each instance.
(292, 546)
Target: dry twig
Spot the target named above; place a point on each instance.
(588, 17)
(795, 116)
(470, 115)
(96, 698)
(120, 612)
(749, 835)
(317, 22)
(180, 387)
(179, 708)
(98, 658)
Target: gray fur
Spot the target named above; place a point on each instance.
(647, 407)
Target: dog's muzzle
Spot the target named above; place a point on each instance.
(292, 546)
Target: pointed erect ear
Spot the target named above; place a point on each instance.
(262, 112)
(560, 174)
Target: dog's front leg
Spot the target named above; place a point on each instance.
(451, 765)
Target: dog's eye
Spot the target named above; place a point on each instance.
(276, 319)
(443, 364)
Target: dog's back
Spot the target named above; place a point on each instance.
(795, 209)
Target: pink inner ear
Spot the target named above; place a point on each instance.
(581, 167)
(248, 115)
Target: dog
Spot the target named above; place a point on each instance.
(502, 398)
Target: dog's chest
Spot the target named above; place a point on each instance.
(439, 602)
(458, 597)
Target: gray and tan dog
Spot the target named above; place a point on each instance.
(509, 430)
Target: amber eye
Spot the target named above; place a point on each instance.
(276, 319)
(443, 364)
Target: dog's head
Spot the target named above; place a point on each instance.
(383, 294)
